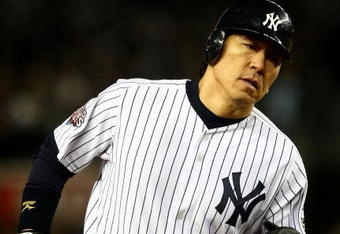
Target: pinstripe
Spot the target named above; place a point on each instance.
(273, 215)
(262, 158)
(293, 216)
(85, 143)
(212, 220)
(269, 164)
(147, 149)
(232, 164)
(284, 196)
(128, 120)
(279, 163)
(246, 153)
(134, 131)
(199, 175)
(271, 159)
(107, 100)
(253, 158)
(281, 211)
(166, 185)
(113, 90)
(101, 112)
(91, 209)
(171, 164)
(299, 210)
(107, 191)
(281, 178)
(153, 161)
(68, 133)
(212, 163)
(192, 133)
(60, 135)
(87, 152)
(113, 168)
(133, 165)
(145, 156)
(263, 155)
(104, 176)
(302, 173)
(232, 136)
(186, 187)
(91, 225)
(88, 131)
(296, 179)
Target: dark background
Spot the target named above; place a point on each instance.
(55, 55)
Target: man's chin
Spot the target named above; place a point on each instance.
(246, 99)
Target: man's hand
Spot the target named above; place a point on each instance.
(274, 229)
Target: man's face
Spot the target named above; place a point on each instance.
(247, 68)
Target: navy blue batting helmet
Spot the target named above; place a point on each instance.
(263, 18)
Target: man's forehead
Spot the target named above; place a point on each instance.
(257, 39)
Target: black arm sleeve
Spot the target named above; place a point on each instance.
(43, 189)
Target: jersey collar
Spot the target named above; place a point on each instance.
(210, 119)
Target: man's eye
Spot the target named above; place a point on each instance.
(250, 46)
(275, 58)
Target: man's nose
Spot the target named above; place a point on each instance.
(257, 61)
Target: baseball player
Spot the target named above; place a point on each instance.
(180, 156)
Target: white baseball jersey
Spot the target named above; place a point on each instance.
(165, 171)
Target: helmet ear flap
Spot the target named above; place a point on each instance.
(214, 46)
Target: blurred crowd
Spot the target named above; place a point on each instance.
(55, 55)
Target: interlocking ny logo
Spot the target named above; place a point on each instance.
(272, 20)
(238, 200)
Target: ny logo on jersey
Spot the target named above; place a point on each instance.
(272, 20)
(238, 200)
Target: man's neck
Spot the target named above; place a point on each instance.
(221, 104)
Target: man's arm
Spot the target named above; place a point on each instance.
(72, 146)
(43, 189)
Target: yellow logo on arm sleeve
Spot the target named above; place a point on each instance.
(28, 205)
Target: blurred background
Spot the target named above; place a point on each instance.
(55, 55)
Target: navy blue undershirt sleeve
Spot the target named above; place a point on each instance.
(43, 189)
(47, 172)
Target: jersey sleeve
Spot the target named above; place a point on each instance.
(89, 131)
(287, 209)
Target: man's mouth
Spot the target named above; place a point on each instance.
(252, 82)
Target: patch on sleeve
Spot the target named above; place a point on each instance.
(78, 117)
(28, 205)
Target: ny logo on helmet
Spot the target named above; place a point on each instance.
(272, 21)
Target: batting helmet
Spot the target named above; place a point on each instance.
(263, 18)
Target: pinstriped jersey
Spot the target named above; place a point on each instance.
(167, 170)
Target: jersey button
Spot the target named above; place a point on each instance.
(199, 157)
(180, 214)
(205, 138)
